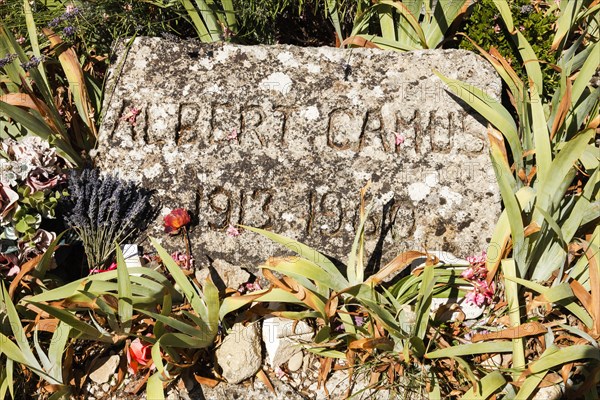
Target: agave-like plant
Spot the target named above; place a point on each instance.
(334, 298)
(213, 21)
(547, 167)
(30, 106)
(401, 25)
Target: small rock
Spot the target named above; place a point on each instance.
(240, 355)
(553, 392)
(295, 362)
(471, 311)
(282, 338)
(106, 388)
(106, 368)
(227, 275)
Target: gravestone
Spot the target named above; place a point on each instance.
(283, 138)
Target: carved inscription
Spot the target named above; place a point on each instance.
(343, 128)
(322, 214)
(280, 138)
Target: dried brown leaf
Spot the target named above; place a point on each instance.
(360, 42)
(25, 269)
(266, 381)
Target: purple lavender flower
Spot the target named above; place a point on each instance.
(32, 63)
(103, 210)
(70, 13)
(69, 31)
(55, 22)
(7, 60)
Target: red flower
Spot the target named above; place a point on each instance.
(138, 354)
(175, 220)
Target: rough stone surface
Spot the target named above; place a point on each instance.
(283, 338)
(242, 392)
(240, 354)
(283, 138)
(224, 274)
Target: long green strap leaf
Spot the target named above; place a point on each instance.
(514, 312)
(125, 305)
(489, 384)
(17, 329)
(491, 109)
(472, 348)
(33, 38)
(306, 252)
(409, 17)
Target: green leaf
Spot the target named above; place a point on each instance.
(408, 17)
(585, 74)
(424, 302)
(74, 322)
(489, 384)
(57, 348)
(565, 355)
(575, 308)
(233, 303)
(47, 258)
(125, 305)
(491, 109)
(514, 312)
(473, 348)
(541, 135)
(504, 9)
(182, 326)
(180, 278)
(18, 331)
(33, 38)
(210, 21)
(306, 252)
(154, 387)
(332, 8)
(512, 207)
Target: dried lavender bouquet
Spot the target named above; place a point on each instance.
(104, 210)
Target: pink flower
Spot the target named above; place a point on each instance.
(477, 259)
(175, 220)
(468, 273)
(399, 139)
(482, 293)
(183, 260)
(131, 115)
(497, 28)
(249, 287)
(233, 135)
(475, 297)
(279, 373)
(21, 40)
(232, 231)
(139, 354)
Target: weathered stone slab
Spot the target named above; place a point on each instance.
(283, 138)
